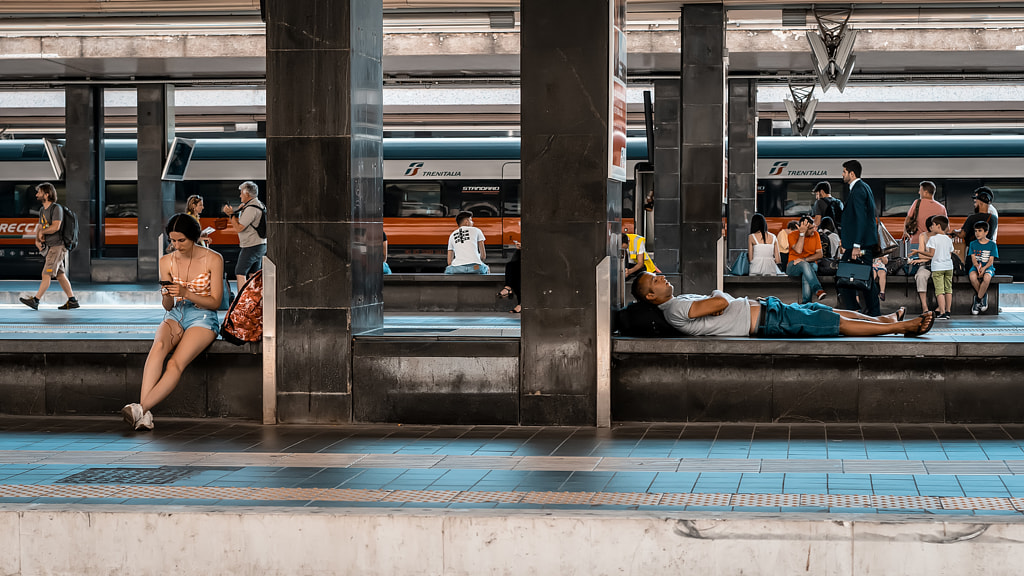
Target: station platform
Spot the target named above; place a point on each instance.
(86, 495)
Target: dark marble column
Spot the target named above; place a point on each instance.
(702, 154)
(666, 177)
(83, 177)
(571, 209)
(156, 197)
(324, 189)
(742, 182)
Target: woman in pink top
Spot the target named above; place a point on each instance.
(191, 279)
(924, 208)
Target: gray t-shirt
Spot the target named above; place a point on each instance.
(249, 217)
(46, 217)
(733, 321)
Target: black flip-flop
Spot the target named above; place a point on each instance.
(927, 321)
(901, 313)
(505, 292)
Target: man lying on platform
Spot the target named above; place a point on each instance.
(722, 315)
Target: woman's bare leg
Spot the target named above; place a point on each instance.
(195, 340)
(168, 334)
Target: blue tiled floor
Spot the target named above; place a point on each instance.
(334, 464)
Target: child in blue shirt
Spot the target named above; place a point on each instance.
(982, 254)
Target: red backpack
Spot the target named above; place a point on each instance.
(244, 319)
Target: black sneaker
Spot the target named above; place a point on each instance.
(32, 302)
(984, 303)
(70, 304)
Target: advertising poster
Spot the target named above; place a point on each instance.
(617, 93)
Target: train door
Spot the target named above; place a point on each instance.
(510, 208)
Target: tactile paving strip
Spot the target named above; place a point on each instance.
(241, 494)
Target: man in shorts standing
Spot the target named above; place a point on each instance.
(243, 221)
(51, 246)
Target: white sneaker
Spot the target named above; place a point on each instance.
(146, 422)
(131, 413)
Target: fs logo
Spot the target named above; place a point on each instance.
(777, 168)
(413, 168)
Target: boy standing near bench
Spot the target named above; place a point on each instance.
(983, 253)
(940, 249)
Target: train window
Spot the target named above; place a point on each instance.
(215, 193)
(19, 200)
(483, 199)
(898, 197)
(1009, 196)
(413, 200)
(122, 200)
(799, 198)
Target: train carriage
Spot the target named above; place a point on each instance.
(429, 180)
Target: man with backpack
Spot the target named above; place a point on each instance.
(826, 205)
(52, 245)
(249, 221)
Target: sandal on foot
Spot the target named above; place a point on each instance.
(927, 321)
(901, 313)
(517, 310)
(505, 292)
(881, 296)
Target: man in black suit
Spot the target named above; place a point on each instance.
(859, 236)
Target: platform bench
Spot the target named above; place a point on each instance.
(445, 293)
(899, 291)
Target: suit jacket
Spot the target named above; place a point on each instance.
(859, 224)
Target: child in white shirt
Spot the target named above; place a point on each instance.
(940, 249)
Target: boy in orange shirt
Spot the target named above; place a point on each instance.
(804, 253)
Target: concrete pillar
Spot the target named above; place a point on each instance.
(324, 186)
(742, 181)
(571, 209)
(702, 154)
(666, 178)
(156, 197)
(83, 177)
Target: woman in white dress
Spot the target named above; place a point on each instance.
(762, 248)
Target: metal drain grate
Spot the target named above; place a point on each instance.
(161, 475)
(980, 330)
(68, 328)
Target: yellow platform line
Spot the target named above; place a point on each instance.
(639, 499)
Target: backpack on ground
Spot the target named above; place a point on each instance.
(244, 319)
(261, 227)
(69, 229)
(835, 211)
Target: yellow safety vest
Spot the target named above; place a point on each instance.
(637, 244)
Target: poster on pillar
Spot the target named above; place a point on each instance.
(617, 92)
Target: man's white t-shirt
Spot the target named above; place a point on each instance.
(943, 247)
(733, 321)
(465, 243)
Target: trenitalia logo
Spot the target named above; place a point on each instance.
(777, 168)
(414, 169)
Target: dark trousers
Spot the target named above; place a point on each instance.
(513, 274)
(869, 300)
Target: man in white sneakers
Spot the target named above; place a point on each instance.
(466, 252)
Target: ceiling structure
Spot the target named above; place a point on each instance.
(459, 43)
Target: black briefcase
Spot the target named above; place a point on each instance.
(854, 275)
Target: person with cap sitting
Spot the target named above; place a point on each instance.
(982, 200)
(723, 315)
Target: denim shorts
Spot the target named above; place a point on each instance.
(991, 270)
(250, 260)
(187, 315)
(810, 320)
(468, 269)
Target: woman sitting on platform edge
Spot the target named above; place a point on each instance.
(191, 279)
